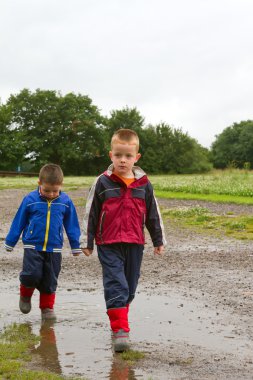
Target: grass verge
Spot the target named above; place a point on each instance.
(219, 198)
(218, 186)
(201, 219)
(70, 183)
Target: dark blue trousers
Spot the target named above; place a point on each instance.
(41, 270)
(121, 265)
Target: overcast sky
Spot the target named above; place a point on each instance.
(188, 63)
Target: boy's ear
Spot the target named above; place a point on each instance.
(110, 154)
(39, 183)
(138, 156)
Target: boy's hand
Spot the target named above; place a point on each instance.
(159, 250)
(87, 251)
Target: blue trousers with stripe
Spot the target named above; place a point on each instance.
(40, 270)
(121, 265)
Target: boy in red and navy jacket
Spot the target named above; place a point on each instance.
(120, 204)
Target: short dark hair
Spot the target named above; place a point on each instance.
(51, 173)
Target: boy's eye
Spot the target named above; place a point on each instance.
(49, 191)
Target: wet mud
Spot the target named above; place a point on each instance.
(192, 315)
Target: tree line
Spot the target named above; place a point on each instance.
(45, 126)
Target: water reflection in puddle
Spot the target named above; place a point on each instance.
(79, 343)
(45, 354)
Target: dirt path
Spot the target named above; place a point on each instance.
(192, 315)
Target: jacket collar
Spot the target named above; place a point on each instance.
(138, 172)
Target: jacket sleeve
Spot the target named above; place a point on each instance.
(154, 222)
(72, 228)
(18, 224)
(91, 217)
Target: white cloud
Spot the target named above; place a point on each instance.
(188, 63)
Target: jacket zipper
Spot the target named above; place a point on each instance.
(143, 222)
(47, 226)
(101, 226)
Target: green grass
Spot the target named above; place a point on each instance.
(30, 183)
(221, 182)
(132, 356)
(16, 342)
(236, 226)
(231, 185)
(218, 198)
(225, 186)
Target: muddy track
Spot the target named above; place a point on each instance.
(192, 315)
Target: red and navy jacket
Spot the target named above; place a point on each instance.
(116, 213)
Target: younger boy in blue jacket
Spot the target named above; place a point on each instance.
(40, 218)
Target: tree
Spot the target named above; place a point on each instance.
(44, 126)
(129, 118)
(234, 145)
(173, 151)
(151, 156)
(10, 157)
(67, 130)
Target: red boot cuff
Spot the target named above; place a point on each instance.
(26, 292)
(118, 319)
(47, 300)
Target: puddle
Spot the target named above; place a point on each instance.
(79, 343)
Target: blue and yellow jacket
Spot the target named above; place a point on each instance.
(41, 223)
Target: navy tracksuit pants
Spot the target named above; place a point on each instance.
(121, 263)
(40, 270)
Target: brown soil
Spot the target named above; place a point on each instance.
(198, 299)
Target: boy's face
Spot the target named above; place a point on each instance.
(124, 156)
(49, 191)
